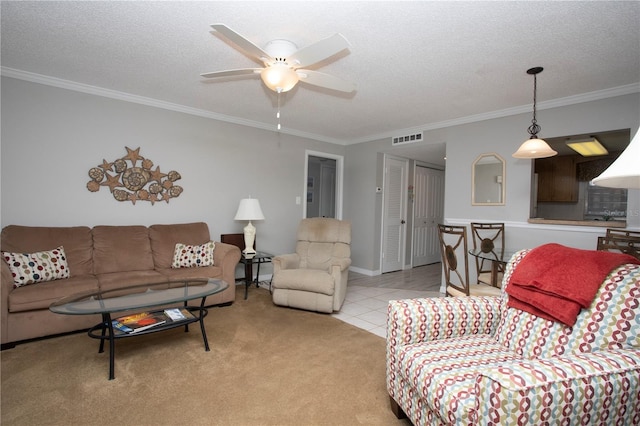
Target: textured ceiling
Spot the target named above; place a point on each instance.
(417, 65)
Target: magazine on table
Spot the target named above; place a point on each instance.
(178, 314)
(139, 322)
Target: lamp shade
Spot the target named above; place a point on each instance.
(249, 209)
(534, 148)
(625, 171)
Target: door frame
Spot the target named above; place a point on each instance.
(339, 179)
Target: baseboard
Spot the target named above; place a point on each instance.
(366, 272)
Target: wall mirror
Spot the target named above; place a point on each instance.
(488, 180)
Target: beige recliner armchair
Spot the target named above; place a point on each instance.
(315, 276)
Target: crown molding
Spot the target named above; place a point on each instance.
(127, 97)
(554, 103)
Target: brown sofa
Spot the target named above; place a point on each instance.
(102, 257)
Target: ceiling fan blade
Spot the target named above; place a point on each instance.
(231, 73)
(325, 80)
(242, 42)
(318, 51)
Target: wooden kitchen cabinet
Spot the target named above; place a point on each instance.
(557, 181)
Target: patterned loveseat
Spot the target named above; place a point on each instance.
(476, 361)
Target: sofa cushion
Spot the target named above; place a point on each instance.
(125, 279)
(77, 242)
(191, 255)
(204, 272)
(165, 237)
(31, 268)
(447, 370)
(121, 249)
(40, 296)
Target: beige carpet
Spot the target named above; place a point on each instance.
(267, 366)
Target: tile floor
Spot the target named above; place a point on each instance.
(366, 307)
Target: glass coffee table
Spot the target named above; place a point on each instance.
(151, 298)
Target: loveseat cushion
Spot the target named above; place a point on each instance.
(607, 324)
(121, 249)
(76, 240)
(41, 295)
(164, 238)
(446, 371)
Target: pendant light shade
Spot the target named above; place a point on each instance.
(625, 171)
(534, 147)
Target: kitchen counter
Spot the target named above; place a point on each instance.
(599, 223)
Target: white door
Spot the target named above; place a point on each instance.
(394, 218)
(428, 211)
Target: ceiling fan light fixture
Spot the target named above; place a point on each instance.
(534, 147)
(282, 60)
(279, 77)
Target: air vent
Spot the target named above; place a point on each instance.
(398, 140)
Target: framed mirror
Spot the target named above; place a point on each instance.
(488, 180)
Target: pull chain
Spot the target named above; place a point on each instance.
(278, 113)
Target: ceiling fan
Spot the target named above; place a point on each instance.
(284, 62)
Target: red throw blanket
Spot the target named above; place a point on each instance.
(555, 282)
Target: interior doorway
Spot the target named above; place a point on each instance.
(428, 212)
(394, 217)
(323, 185)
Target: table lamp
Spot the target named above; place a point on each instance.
(249, 209)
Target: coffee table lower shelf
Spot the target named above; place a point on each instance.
(151, 298)
(104, 331)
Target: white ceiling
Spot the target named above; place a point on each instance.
(417, 64)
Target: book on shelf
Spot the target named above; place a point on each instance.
(178, 314)
(120, 328)
(136, 323)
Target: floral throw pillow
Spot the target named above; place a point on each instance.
(31, 268)
(188, 256)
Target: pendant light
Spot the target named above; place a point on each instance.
(534, 147)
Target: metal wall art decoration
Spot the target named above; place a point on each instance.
(129, 182)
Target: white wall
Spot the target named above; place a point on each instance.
(51, 137)
(502, 136)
